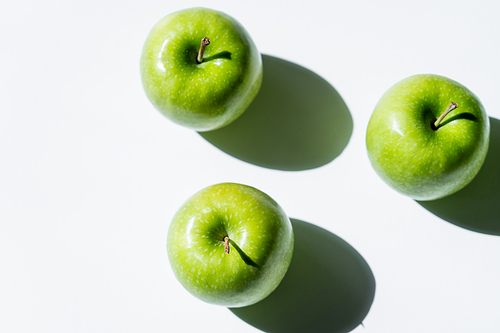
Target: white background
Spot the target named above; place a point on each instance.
(91, 173)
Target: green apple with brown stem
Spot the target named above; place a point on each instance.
(200, 68)
(230, 244)
(428, 136)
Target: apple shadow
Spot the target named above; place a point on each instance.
(329, 287)
(220, 55)
(476, 207)
(297, 121)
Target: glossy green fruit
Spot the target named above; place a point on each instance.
(242, 269)
(207, 95)
(413, 156)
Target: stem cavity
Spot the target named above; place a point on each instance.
(450, 108)
(204, 43)
(226, 245)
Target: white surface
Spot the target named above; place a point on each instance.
(91, 173)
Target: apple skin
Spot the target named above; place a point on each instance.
(253, 221)
(414, 158)
(202, 96)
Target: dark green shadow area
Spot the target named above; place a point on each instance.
(476, 207)
(465, 115)
(329, 287)
(220, 55)
(243, 255)
(297, 121)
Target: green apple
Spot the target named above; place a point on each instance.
(230, 244)
(418, 152)
(200, 68)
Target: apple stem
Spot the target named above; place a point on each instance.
(204, 43)
(226, 244)
(450, 108)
